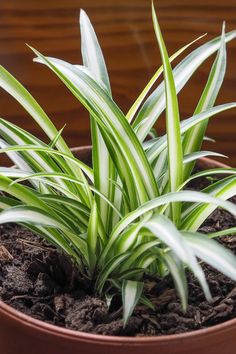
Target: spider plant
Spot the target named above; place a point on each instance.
(129, 214)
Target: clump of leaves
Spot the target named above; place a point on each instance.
(129, 214)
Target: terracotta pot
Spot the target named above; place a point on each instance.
(21, 334)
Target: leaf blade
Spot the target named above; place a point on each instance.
(174, 141)
(131, 293)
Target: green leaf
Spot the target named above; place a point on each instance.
(29, 215)
(87, 170)
(163, 179)
(37, 160)
(161, 227)
(102, 163)
(137, 255)
(194, 137)
(133, 110)
(128, 238)
(41, 177)
(91, 51)
(211, 252)
(182, 196)
(227, 232)
(23, 194)
(214, 171)
(145, 301)
(107, 268)
(131, 293)
(92, 237)
(15, 89)
(54, 141)
(35, 216)
(155, 103)
(108, 116)
(194, 216)
(177, 271)
(199, 154)
(174, 141)
(161, 143)
(6, 202)
(167, 232)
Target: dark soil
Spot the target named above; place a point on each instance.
(38, 280)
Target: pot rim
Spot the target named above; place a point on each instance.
(88, 337)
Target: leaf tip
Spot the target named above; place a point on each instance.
(223, 27)
(83, 15)
(29, 46)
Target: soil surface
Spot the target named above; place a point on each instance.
(40, 281)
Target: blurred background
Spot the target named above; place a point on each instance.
(126, 35)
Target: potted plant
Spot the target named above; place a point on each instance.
(119, 232)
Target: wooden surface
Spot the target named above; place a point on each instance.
(125, 31)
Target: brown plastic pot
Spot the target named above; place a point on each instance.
(21, 334)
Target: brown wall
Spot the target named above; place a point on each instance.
(125, 31)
